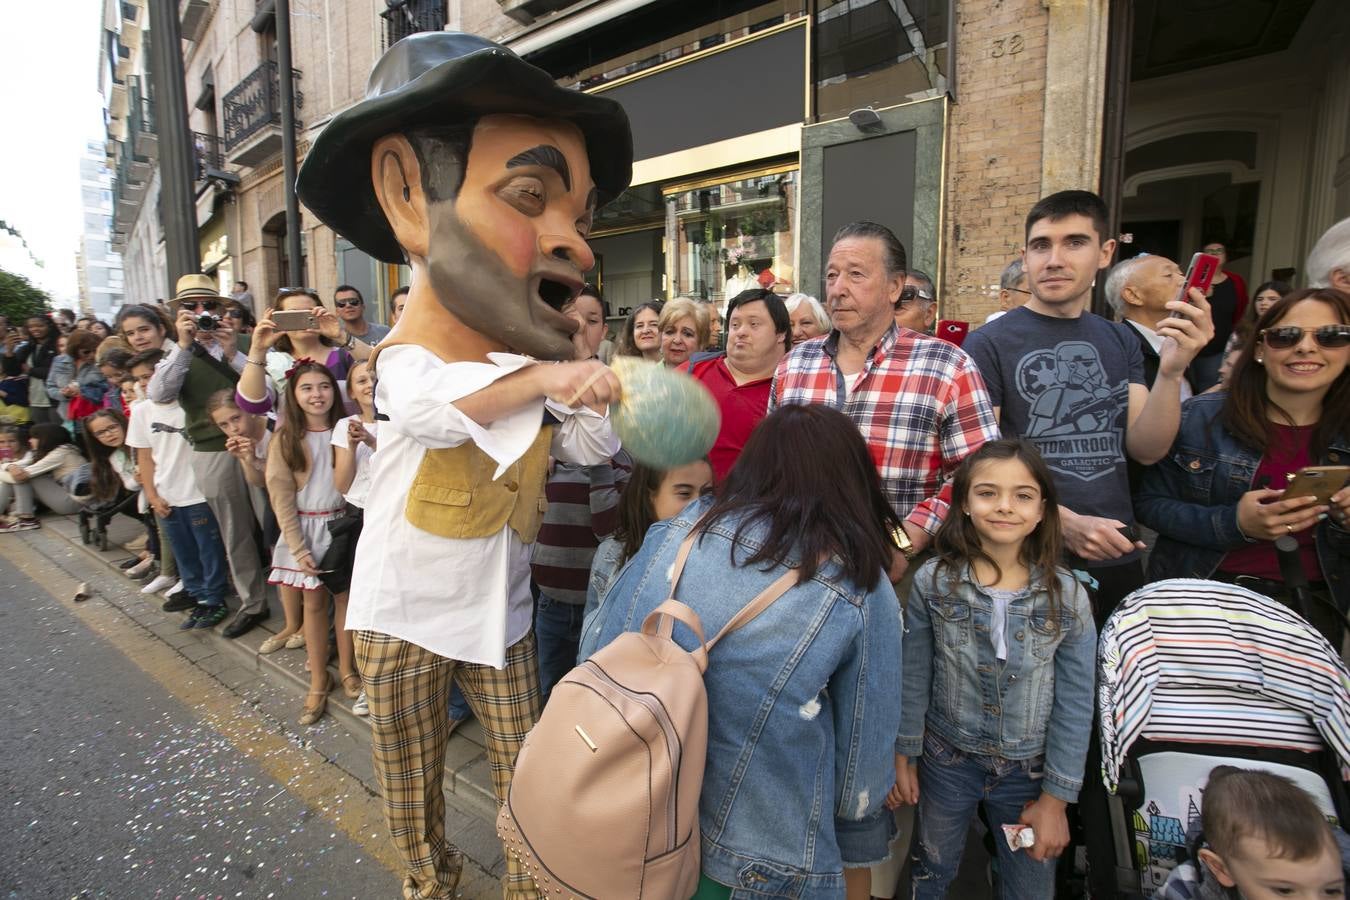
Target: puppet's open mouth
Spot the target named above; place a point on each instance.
(554, 293)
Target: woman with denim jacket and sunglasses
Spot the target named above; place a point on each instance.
(1215, 498)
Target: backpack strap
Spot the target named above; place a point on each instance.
(744, 616)
(756, 606)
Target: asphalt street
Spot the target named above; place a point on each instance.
(116, 787)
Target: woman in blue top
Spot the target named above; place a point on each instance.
(802, 700)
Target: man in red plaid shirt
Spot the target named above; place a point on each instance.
(919, 402)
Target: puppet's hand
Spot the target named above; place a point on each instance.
(590, 383)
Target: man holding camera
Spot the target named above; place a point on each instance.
(206, 360)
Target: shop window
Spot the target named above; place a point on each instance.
(879, 53)
(728, 236)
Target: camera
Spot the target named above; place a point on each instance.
(208, 322)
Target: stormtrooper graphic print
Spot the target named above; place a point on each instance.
(1074, 411)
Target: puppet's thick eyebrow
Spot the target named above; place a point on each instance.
(545, 155)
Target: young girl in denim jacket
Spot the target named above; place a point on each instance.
(999, 660)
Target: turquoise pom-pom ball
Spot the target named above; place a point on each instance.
(665, 418)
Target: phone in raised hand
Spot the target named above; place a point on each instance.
(1200, 274)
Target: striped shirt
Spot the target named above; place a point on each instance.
(919, 402)
(1205, 662)
(583, 510)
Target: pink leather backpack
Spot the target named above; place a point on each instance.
(604, 800)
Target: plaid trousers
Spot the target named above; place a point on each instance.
(408, 689)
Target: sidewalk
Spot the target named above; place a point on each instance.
(342, 737)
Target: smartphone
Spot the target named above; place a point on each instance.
(1317, 481)
(293, 319)
(1200, 274)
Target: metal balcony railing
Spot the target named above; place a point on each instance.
(405, 17)
(210, 156)
(255, 103)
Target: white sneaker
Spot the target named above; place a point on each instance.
(178, 586)
(157, 584)
(359, 705)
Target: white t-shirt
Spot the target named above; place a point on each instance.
(356, 495)
(159, 428)
(466, 599)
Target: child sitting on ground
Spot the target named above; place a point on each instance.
(1262, 837)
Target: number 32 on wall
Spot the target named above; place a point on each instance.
(1009, 46)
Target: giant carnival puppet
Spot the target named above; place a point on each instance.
(482, 174)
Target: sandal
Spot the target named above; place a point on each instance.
(273, 644)
(313, 712)
(351, 685)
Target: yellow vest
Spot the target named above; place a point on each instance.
(454, 495)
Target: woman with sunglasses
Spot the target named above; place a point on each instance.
(1215, 499)
(273, 353)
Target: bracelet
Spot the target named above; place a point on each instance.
(351, 339)
(253, 362)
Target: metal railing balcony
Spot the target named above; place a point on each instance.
(255, 103)
(405, 17)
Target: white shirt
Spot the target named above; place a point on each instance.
(1155, 341)
(466, 599)
(356, 494)
(159, 428)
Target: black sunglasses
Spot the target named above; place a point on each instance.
(201, 305)
(909, 293)
(1282, 337)
(343, 304)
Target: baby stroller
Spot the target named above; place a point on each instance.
(1196, 674)
(95, 516)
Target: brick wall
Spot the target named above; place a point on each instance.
(993, 167)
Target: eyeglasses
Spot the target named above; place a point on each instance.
(910, 293)
(235, 313)
(343, 304)
(1018, 291)
(1216, 251)
(107, 432)
(1282, 337)
(201, 305)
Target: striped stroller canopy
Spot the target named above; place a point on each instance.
(1200, 661)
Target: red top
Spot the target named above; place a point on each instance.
(742, 406)
(1287, 453)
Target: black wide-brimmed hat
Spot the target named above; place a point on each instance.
(444, 78)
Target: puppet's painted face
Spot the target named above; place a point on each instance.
(510, 250)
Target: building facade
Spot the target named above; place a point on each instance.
(100, 267)
(760, 126)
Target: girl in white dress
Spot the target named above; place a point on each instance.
(304, 498)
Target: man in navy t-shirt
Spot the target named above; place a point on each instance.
(1072, 383)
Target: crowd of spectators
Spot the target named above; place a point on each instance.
(1012, 471)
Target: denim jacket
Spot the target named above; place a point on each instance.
(802, 710)
(1190, 498)
(1037, 702)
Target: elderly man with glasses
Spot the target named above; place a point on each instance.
(917, 307)
(205, 360)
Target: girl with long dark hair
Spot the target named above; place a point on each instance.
(52, 473)
(305, 498)
(805, 693)
(1000, 651)
(30, 353)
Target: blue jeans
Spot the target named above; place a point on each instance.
(952, 785)
(557, 630)
(199, 552)
(459, 707)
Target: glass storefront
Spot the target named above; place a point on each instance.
(731, 235)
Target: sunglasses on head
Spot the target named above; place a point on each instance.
(1282, 337)
(282, 293)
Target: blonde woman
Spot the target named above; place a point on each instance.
(684, 329)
